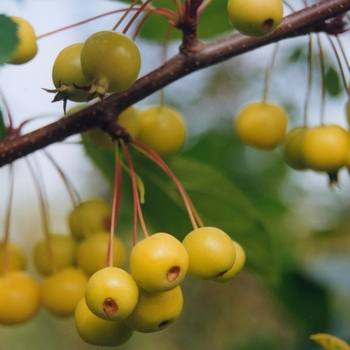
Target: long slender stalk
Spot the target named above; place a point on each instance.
(142, 148)
(44, 216)
(6, 239)
(115, 206)
(136, 199)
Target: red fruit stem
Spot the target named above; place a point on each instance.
(126, 12)
(44, 217)
(136, 199)
(134, 17)
(80, 23)
(72, 192)
(6, 240)
(152, 155)
(115, 206)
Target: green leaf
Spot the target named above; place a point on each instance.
(306, 301)
(213, 21)
(332, 82)
(296, 54)
(9, 39)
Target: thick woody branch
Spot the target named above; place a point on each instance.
(311, 19)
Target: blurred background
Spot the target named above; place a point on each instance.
(294, 227)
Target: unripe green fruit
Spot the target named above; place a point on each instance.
(67, 75)
(92, 252)
(63, 250)
(17, 259)
(237, 266)
(261, 125)
(211, 252)
(19, 297)
(62, 291)
(111, 61)
(255, 17)
(156, 311)
(111, 294)
(325, 148)
(89, 217)
(96, 331)
(158, 263)
(27, 47)
(163, 129)
(291, 148)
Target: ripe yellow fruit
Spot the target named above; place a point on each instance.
(128, 119)
(291, 148)
(62, 291)
(92, 252)
(89, 217)
(261, 125)
(211, 252)
(159, 263)
(17, 259)
(237, 266)
(163, 129)
(156, 311)
(27, 47)
(111, 294)
(325, 148)
(63, 250)
(255, 17)
(19, 297)
(96, 331)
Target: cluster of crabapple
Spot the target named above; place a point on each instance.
(107, 62)
(162, 128)
(324, 148)
(108, 302)
(149, 297)
(64, 263)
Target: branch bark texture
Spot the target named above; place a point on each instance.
(310, 19)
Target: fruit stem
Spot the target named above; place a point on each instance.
(72, 192)
(322, 67)
(152, 155)
(341, 68)
(80, 23)
(136, 199)
(5, 261)
(134, 17)
(126, 12)
(309, 83)
(268, 73)
(44, 217)
(115, 205)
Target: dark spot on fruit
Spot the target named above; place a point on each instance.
(221, 274)
(163, 324)
(173, 273)
(110, 307)
(267, 24)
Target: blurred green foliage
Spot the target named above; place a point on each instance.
(9, 39)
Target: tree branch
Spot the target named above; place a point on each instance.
(310, 19)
